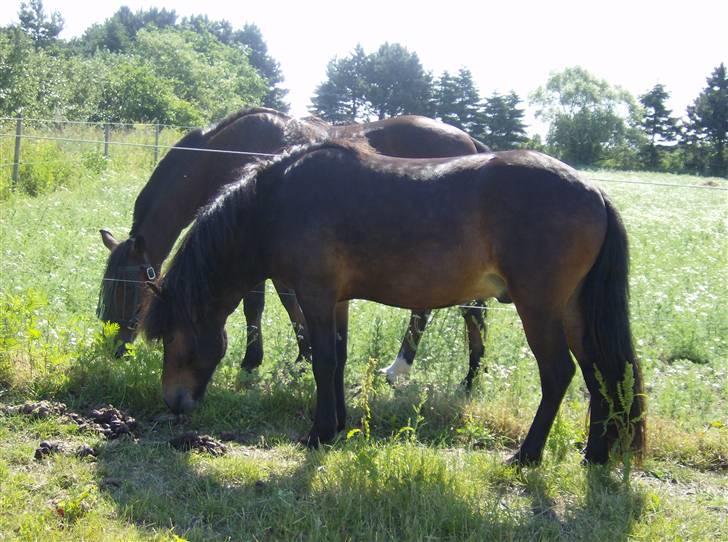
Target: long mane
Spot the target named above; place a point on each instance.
(220, 241)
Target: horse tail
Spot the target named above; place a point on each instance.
(607, 333)
(480, 146)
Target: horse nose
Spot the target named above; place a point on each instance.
(180, 401)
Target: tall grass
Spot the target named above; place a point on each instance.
(431, 466)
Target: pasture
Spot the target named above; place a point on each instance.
(422, 462)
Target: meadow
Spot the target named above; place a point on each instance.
(422, 461)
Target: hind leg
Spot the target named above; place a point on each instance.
(402, 365)
(342, 333)
(475, 326)
(597, 445)
(545, 334)
(253, 305)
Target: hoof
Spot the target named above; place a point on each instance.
(519, 459)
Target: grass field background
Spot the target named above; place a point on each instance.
(431, 466)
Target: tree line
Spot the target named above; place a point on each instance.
(153, 66)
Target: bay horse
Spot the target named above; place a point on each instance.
(335, 223)
(185, 180)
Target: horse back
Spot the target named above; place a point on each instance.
(478, 221)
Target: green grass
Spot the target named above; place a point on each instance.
(431, 466)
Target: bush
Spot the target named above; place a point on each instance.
(43, 168)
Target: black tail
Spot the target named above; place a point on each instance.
(607, 337)
(480, 146)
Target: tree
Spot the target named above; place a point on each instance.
(586, 116)
(214, 77)
(396, 82)
(457, 101)
(41, 28)
(342, 97)
(252, 38)
(657, 124)
(708, 119)
(503, 121)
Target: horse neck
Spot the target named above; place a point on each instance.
(180, 203)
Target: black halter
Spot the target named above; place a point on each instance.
(135, 275)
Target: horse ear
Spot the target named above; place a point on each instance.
(139, 244)
(108, 239)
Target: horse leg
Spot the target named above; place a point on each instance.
(402, 365)
(321, 320)
(597, 445)
(253, 304)
(298, 321)
(342, 332)
(474, 316)
(546, 337)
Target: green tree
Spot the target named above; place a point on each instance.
(457, 101)
(40, 27)
(252, 38)
(342, 97)
(586, 116)
(118, 33)
(657, 123)
(213, 77)
(708, 120)
(396, 82)
(503, 121)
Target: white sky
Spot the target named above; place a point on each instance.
(508, 45)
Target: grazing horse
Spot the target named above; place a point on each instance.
(185, 180)
(335, 223)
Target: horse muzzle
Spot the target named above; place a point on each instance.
(180, 401)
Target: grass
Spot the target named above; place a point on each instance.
(428, 464)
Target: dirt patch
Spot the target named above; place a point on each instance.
(105, 419)
(202, 443)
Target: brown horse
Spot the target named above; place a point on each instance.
(336, 223)
(185, 180)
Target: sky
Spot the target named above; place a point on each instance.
(507, 45)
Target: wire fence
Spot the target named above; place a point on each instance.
(113, 132)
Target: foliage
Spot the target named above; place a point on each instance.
(587, 116)
(41, 28)
(503, 122)
(457, 101)
(342, 98)
(396, 83)
(111, 73)
(658, 125)
(708, 121)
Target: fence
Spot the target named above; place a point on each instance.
(151, 138)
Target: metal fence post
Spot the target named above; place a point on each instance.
(156, 142)
(106, 141)
(16, 159)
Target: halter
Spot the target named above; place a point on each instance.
(126, 274)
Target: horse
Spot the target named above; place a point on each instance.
(185, 180)
(335, 222)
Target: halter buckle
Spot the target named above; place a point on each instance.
(151, 274)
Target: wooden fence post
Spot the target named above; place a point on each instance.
(106, 141)
(16, 159)
(156, 142)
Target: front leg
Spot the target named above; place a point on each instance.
(342, 332)
(321, 321)
(253, 305)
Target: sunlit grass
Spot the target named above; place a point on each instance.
(433, 466)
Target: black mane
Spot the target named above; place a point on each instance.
(212, 252)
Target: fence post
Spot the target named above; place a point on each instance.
(16, 159)
(106, 141)
(156, 142)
